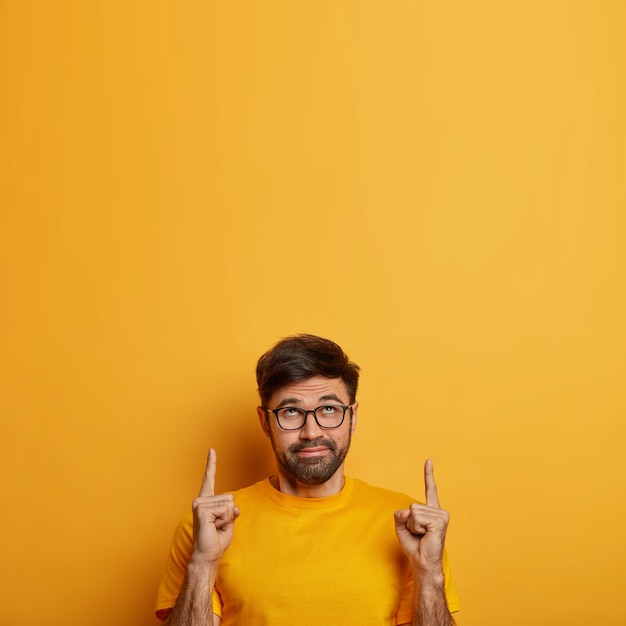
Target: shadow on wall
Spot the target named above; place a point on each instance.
(244, 454)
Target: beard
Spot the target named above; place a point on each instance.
(315, 470)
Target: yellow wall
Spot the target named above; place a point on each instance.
(440, 187)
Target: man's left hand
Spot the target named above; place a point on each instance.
(421, 529)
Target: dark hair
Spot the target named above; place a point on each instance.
(299, 357)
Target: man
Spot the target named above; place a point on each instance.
(308, 545)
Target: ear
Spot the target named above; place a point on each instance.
(355, 410)
(262, 415)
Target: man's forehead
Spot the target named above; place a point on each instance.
(316, 387)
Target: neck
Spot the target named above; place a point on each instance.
(288, 484)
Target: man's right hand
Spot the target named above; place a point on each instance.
(213, 519)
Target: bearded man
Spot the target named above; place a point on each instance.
(308, 545)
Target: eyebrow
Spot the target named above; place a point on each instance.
(296, 401)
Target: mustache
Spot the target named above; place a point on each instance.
(314, 443)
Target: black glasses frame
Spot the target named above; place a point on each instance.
(345, 407)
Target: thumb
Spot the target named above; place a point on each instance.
(223, 524)
(401, 518)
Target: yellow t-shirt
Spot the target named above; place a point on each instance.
(310, 561)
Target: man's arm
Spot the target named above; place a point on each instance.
(194, 604)
(421, 530)
(213, 526)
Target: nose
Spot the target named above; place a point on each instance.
(311, 429)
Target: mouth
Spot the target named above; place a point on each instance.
(312, 452)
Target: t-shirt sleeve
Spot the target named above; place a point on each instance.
(451, 596)
(217, 603)
(405, 609)
(175, 567)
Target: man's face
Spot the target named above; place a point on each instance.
(312, 454)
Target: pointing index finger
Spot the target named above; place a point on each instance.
(208, 481)
(432, 498)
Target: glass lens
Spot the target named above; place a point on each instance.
(329, 416)
(291, 418)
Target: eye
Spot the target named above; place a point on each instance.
(330, 409)
(290, 412)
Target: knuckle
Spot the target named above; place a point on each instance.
(223, 502)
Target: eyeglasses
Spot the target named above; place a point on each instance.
(326, 416)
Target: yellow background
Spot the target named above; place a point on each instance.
(440, 187)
